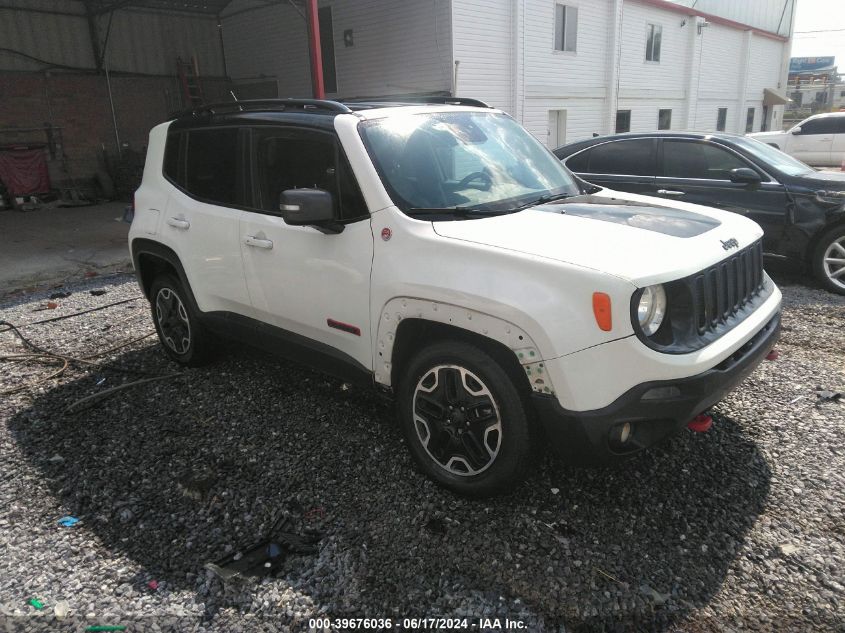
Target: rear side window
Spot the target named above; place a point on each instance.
(212, 166)
(171, 159)
(636, 157)
(705, 161)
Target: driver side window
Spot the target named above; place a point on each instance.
(287, 159)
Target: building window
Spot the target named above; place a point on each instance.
(566, 28)
(722, 121)
(623, 121)
(652, 45)
(749, 120)
(842, 94)
(664, 119)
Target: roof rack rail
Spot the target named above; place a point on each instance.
(323, 105)
(446, 100)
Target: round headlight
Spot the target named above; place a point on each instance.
(652, 309)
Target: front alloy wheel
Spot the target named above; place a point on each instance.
(464, 412)
(829, 260)
(457, 421)
(834, 262)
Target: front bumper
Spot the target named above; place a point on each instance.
(592, 436)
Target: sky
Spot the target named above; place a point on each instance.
(827, 16)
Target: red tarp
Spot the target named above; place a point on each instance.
(24, 171)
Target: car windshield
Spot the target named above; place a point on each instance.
(773, 157)
(474, 162)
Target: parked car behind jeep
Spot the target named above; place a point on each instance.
(817, 140)
(802, 211)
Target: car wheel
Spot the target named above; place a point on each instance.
(829, 260)
(464, 419)
(179, 329)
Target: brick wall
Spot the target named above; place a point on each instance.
(79, 104)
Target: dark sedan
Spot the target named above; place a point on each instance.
(802, 211)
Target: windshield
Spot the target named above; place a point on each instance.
(484, 162)
(773, 157)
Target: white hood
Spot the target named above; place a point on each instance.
(641, 239)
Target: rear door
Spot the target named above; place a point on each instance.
(814, 141)
(203, 211)
(305, 282)
(698, 171)
(624, 165)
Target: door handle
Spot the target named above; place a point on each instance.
(179, 224)
(251, 240)
(669, 192)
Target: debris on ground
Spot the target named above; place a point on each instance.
(68, 521)
(60, 295)
(97, 293)
(825, 395)
(36, 603)
(266, 556)
(61, 609)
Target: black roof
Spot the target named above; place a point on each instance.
(571, 148)
(313, 112)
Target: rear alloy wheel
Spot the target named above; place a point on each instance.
(464, 419)
(180, 331)
(829, 260)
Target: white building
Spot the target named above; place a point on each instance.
(566, 69)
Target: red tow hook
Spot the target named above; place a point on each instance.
(700, 423)
(773, 355)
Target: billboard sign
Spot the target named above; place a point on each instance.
(811, 64)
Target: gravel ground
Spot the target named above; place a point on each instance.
(741, 528)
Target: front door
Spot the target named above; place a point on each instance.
(312, 285)
(699, 172)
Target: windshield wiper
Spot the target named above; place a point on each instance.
(544, 200)
(459, 211)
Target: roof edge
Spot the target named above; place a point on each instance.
(717, 19)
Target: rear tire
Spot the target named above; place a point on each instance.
(180, 331)
(829, 260)
(465, 420)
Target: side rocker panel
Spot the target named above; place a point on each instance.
(485, 325)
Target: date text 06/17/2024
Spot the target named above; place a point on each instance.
(415, 624)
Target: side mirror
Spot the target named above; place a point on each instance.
(309, 207)
(795, 130)
(745, 175)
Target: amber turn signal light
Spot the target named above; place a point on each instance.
(601, 310)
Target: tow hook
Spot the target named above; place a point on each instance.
(700, 423)
(773, 355)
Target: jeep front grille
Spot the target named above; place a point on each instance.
(722, 290)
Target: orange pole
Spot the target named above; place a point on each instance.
(317, 87)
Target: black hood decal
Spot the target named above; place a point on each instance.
(638, 215)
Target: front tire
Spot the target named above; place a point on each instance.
(829, 260)
(182, 335)
(465, 420)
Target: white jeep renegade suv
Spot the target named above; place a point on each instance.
(439, 252)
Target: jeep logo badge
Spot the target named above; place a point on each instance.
(729, 244)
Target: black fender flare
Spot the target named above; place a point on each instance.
(142, 246)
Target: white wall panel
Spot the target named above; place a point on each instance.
(483, 33)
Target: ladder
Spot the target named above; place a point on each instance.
(189, 78)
